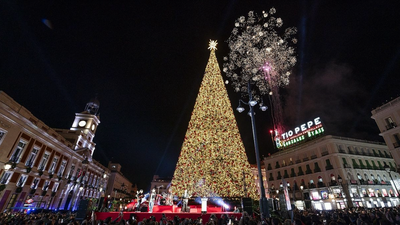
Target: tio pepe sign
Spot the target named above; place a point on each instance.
(301, 128)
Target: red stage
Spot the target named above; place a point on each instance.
(170, 212)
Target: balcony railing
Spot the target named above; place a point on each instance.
(390, 125)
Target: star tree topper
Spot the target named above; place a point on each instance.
(212, 45)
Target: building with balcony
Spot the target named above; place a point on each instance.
(119, 188)
(333, 172)
(43, 167)
(160, 184)
(387, 117)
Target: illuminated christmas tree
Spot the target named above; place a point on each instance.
(213, 161)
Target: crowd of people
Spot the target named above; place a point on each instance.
(355, 216)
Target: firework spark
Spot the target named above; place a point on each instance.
(259, 54)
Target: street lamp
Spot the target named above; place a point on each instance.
(7, 166)
(263, 201)
(302, 196)
(387, 169)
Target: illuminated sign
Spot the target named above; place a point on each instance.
(299, 134)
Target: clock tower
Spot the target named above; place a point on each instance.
(85, 124)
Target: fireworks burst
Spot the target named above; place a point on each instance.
(259, 54)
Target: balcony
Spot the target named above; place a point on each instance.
(342, 151)
(391, 125)
(325, 153)
(305, 159)
(396, 144)
(346, 166)
(298, 161)
(313, 157)
(329, 167)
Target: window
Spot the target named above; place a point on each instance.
(22, 180)
(15, 157)
(35, 183)
(46, 185)
(78, 174)
(5, 178)
(71, 171)
(62, 168)
(44, 161)
(32, 157)
(53, 165)
(2, 134)
(379, 178)
(55, 187)
(390, 123)
(372, 177)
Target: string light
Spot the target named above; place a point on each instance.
(213, 158)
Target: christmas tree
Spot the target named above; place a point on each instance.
(213, 161)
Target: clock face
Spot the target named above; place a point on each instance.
(82, 123)
(93, 126)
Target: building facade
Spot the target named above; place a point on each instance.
(387, 117)
(160, 184)
(119, 186)
(332, 172)
(48, 168)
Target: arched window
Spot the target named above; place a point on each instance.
(320, 179)
(359, 176)
(349, 176)
(372, 177)
(366, 176)
(384, 178)
(379, 178)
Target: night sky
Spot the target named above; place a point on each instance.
(145, 61)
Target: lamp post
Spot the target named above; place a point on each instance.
(302, 196)
(264, 212)
(387, 169)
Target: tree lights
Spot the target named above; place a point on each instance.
(213, 160)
